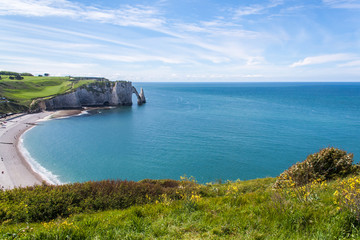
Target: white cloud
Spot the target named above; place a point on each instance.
(243, 11)
(218, 29)
(355, 63)
(32, 61)
(54, 32)
(39, 8)
(138, 16)
(204, 48)
(348, 4)
(323, 59)
(255, 61)
(217, 41)
(253, 76)
(134, 58)
(256, 9)
(45, 45)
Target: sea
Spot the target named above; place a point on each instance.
(213, 132)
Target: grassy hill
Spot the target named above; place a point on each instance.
(17, 94)
(268, 208)
(234, 210)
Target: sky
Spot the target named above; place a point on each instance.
(183, 40)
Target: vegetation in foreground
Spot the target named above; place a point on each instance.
(168, 209)
(18, 90)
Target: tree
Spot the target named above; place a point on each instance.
(26, 74)
(7, 73)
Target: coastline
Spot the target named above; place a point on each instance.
(15, 169)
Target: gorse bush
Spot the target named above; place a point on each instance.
(44, 203)
(347, 197)
(306, 193)
(327, 164)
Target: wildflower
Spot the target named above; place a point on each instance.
(195, 197)
(348, 196)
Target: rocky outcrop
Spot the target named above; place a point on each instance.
(102, 93)
(141, 97)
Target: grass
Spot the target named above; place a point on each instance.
(233, 210)
(22, 92)
(32, 92)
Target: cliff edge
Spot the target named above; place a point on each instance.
(97, 94)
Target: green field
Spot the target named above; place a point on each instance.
(20, 93)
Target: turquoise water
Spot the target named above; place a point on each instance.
(211, 131)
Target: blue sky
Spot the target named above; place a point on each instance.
(186, 40)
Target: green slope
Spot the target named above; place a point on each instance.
(235, 210)
(19, 94)
(324, 207)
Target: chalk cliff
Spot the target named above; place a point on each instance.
(101, 93)
(141, 97)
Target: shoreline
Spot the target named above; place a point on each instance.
(15, 169)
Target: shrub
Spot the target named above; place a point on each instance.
(348, 196)
(44, 203)
(26, 74)
(327, 164)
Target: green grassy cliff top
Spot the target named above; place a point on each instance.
(17, 91)
(169, 209)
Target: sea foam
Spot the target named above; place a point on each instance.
(36, 167)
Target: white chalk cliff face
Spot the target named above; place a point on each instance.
(102, 93)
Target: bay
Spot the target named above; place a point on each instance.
(211, 131)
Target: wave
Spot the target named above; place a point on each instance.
(45, 174)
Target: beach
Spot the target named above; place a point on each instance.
(15, 170)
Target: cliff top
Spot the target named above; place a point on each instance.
(18, 90)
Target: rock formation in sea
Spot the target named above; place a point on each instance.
(101, 93)
(141, 97)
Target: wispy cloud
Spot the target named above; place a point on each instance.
(46, 44)
(164, 39)
(348, 4)
(224, 41)
(32, 61)
(355, 63)
(134, 58)
(323, 59)
(39, 8)
(48, 31)
(256, 9)
(138, 16)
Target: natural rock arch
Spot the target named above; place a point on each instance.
(140, 97)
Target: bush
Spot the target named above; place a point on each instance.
(348, 196)
(26, 74)
(8, 73)
(44, 203)
(327, 164)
